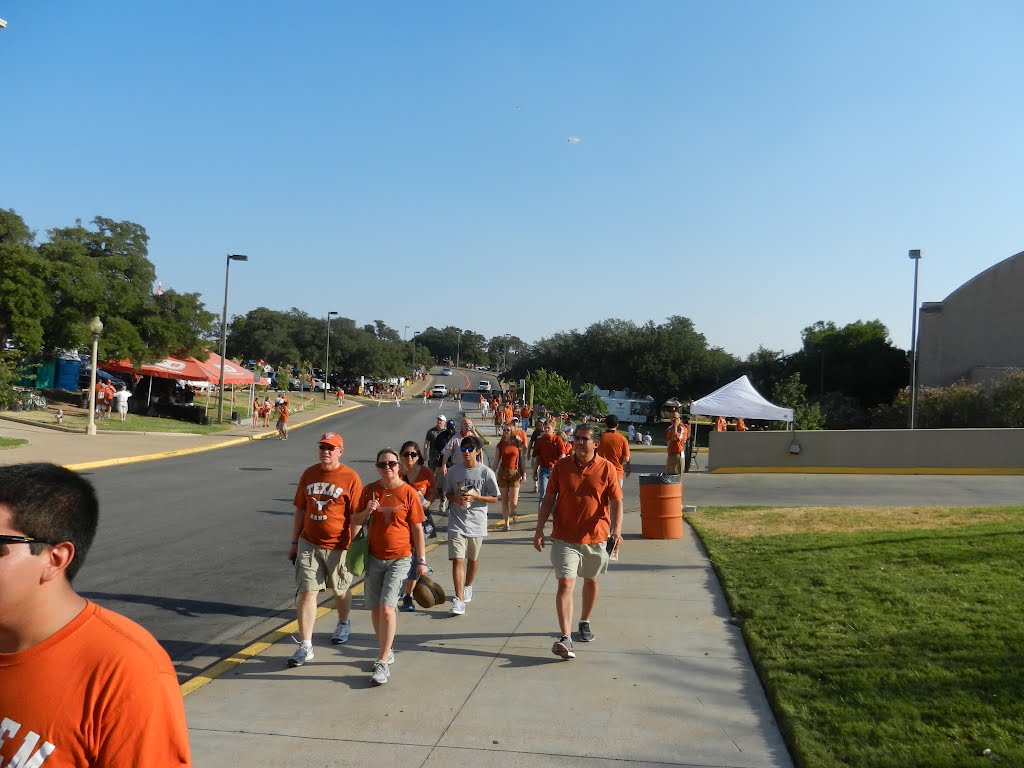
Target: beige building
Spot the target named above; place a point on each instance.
(977, 332)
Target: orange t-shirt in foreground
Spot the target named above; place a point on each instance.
(614, 447)
(99, 691)
(676, 445)
(391, 540)
(582, 496)
(327, 501)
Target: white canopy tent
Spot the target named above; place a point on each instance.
(739, 399)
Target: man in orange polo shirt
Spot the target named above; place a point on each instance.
(585, 496)
(548, 449)
(675, 440)
(615, 447)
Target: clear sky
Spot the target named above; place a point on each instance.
(753, 166)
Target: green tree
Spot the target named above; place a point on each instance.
(791, 393)
(552, 391)
(24, 302)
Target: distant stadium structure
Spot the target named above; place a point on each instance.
(977, 332)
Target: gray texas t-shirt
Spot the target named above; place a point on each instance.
(471, 520)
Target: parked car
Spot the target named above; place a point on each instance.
(482, 368)
(446, 372)
(319, 385)
(439, 390)
(483, 386)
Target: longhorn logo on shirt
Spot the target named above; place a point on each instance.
(328, 490)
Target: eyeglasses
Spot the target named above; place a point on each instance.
(467, 448)
(387, 464)
(6, 538)
(410, 454)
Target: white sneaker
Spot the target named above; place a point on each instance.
(458, 607)
(468, 592)
(380, 673)
(391, 657)
(302, 654)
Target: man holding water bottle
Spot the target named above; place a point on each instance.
(469, 487)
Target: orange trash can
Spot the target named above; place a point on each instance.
(661, 506)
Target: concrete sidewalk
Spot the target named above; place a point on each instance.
(668, 680)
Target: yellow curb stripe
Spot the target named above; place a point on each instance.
(871, 470)
(201, 448)
(257, 647)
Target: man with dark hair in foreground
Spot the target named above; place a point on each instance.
(79, 685)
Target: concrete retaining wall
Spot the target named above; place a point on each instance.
(876, 451)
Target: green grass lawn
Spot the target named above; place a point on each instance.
(11, 442)
(884, 637)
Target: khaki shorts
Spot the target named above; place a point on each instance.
(573, 560)
(674, 464)
(317, 568)
(382, 583)
(508, 478)
(462, 547)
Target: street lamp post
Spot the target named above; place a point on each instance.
(915, 255)
(224, 334)
(327, 360)
(96, 326)
(458, 350)
(414, 353)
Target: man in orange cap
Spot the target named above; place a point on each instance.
(327, 495)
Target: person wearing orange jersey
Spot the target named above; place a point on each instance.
(509, 467)
(614, 447)
(80, 685)
(423, 482)
(548, 449)
(675, 441)
(322, 530)
(396, 517)
(741, 425)
(525, 413)
(720, 425)
(586, 500)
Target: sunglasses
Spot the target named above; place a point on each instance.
(324, 447)
(581, 438)
(387, 464)
(6, 538)
(410, 454)
(467, 448)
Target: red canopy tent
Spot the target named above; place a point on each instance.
(168, 368)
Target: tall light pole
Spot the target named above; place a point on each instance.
(96, 326)
(224, 334)
(916, 256)
(414, 333)
(458, 349)
(327, 360)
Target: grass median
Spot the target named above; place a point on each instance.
(884, 636)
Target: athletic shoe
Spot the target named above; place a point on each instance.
(391, 657)
(407, 604)
(341, 632)
(586, 635)
(380, 673)
(458, 607)
(302, 654)
(563, 648)
(468, 592)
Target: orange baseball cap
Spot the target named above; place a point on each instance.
(331, 438)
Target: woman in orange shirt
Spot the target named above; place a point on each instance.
(422, 481)
(509, 466)
(395, 538)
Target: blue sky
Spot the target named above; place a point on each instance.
(753, 166)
